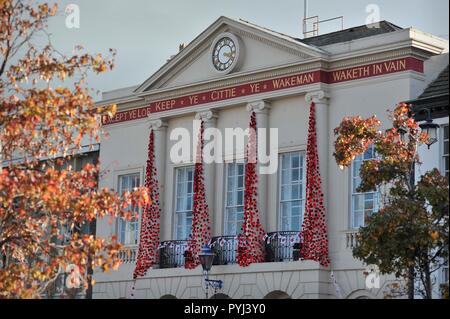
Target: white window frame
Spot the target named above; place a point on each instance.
(280, 177)
(352, 194)
(175, 196)
(226, 207)
(444, 274)
(442, 148)
(119, 221)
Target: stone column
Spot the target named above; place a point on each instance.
(321, 100)
(209, 170)
(159, 128)
(262, 108)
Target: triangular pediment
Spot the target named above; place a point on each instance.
(260, 49)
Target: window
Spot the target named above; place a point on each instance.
(234, 209)
(292, 191)
(445, 151)
(183, 206)
(128, 230)
(444, 279)
(363, 204)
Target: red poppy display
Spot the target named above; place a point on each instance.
(314, 235)
(251, 238)
(150, 225)
(201, 225)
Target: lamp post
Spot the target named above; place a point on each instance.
(206, 260)
(430, 128)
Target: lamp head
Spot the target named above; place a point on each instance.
(206, 257)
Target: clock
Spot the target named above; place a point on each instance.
(225, 53)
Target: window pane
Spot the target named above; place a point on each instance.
(295, 175)
(295, 194)
(295, 160)
(358, 220)
(241, 169)
(183, 209)
(285, 178)
(128, 230)
(285, 192)
(358, 202)
(240, 183)
(291, 191)
(235, 198)
(363, 204)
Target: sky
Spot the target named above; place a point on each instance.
(146, 33)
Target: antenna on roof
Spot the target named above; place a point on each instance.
(311, 24)
(305, 10)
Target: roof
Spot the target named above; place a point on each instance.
(311, 44)
(438, 87)
(434, 98)
(351, 34)
(221, 21)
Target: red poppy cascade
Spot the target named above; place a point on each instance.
(150, 226)
(201, 225)
(314, 236)
(250, 240)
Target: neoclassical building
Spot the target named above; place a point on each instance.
(231, 69)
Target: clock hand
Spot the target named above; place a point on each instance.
(228, 55)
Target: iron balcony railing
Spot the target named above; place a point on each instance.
(225, 250)
(171, 253)
(282, 246)
(279, 247)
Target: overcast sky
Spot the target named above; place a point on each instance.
(146, 32)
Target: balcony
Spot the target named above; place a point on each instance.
(351, 239)
(225, 249)
(128, 255)
(281, 246)
(171, 253)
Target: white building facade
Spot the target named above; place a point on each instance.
(360, 71)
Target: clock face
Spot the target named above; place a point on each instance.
(224, 54)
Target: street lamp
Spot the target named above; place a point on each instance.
(431, 129)
(206, 260)
(403, 134)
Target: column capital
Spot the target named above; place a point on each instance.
(207, 116)
(258, 106)
(156, 124)
(320, 97)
